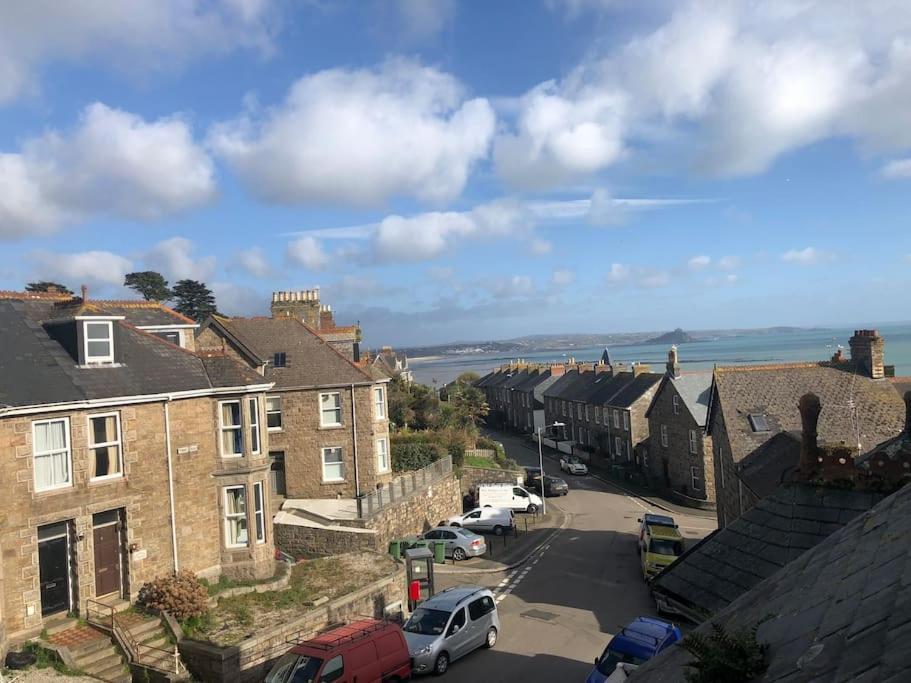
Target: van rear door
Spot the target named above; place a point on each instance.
(363, 664)
(393, 654)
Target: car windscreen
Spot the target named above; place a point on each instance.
(611, 658)
(427, 622)
(301, 668)
(660, 546)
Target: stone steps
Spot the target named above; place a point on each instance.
(101, 659)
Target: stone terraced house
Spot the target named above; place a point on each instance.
(125, 455)
(327, 417)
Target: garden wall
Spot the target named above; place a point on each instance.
(472, 476)
(251, 659)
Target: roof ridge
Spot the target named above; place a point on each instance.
(334, 350)
(774, 366)
(47, 296)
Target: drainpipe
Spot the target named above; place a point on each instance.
(167, 433)
(357, 474)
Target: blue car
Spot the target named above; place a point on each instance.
(635, 644)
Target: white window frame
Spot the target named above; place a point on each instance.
(616, 419)
(228, 516)
(222, 428)
(322, 460)
(92, 446)
(578, 411)
(85, 341)
(588, 413)
(597, 415)
(695, 479)
(663, 431)
(68, 450)
(259, 512)
(256, 434)
(322, 411)
(694, 442)
(626, 420)
(564, 408)
(676, 402)
(385, 452)
(618, 446)
(273, 412)
(379, 404)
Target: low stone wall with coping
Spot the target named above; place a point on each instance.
(251, 659)
(472, 476)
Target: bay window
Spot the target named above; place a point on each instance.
(231, 426)
(253, 413)
(259, 512)
(235, 517)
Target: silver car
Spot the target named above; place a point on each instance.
(460, 543)
(450, 625)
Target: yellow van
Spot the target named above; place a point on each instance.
(661, 545)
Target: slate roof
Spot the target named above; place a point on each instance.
(620, 390)
(564, 386)
(777, 530)
(310, 360)
(770, 465)
(142, 313)
(694, 390)
(775, 391)
(35, 369)
(634, 390)
(838, 614)
(532, 380)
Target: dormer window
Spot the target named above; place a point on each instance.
(279, 359)
(99, 341)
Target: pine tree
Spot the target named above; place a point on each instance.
(45, 285)
(151, 285)
(194, 299)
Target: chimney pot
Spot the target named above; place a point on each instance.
(85, 293)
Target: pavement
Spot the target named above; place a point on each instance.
(560, 607)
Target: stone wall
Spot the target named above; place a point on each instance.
(419, 512)
(732, 498)
(314, 541)
(672, 466)
(472, 476)
(251, 659)
(140, 494)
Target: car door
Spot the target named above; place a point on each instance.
(474, 520)
(519, 498)
(457, 635)
(478, 614)
(449, 538)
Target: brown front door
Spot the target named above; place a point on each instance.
(107, 559)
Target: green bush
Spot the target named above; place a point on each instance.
(415, 455)
(734, 657)
(180, 594)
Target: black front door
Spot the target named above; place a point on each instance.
(55, 577)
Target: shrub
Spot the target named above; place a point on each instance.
(180, 594)
(414, 456)
(734, 657)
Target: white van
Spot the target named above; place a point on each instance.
(508, 496)
(484, 519)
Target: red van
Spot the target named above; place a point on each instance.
(367, 651)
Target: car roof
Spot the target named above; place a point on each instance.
(451, 598)
(666, 532)
(652, 518)
(641, 636)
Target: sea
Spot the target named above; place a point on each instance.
(747, 348)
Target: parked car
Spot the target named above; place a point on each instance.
(531, 473)
(450, 625)
(572, 465)
(637, 643)
(460, 543)
(652, 518)
(661, 545)
(508, 496)
(484, 519)
(553, 486)
(369, 651)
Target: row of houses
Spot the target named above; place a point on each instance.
(136, 442)
(720, 439)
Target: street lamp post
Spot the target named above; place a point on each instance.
(541, 463)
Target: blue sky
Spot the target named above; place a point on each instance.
(468, 170)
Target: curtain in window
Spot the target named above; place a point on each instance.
(107, 458)
(236, 513)
(52, 466)
(232, 435)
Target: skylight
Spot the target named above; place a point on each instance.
(758, 422)
(279, 359)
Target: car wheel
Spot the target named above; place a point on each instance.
(491, 637)
(498, 530)
(456, 524)
(441, 665)
(458, 554)
(532, 508)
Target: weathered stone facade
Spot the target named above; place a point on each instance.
(732, 498)
(301, 440)
(674, 434)
(307, 542)
(138, 500)
(470, 477)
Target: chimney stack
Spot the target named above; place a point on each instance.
(557, 370)
(673, 364)
(810, 408)
(85, 293)
(867, 352)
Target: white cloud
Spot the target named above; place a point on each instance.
(517, 286)
(698, 263)
(429, 235)
(174, 259)
(729, 262)
(562, 277)
(307, 252)
(134, 36)
(253, 261)
(732, 86)
(897, 169)
(540, 247)
(360, 137)
(113, 163)
(605, 210)
(810, 256)
(424, 19)
(638, 276)
(232, 299)
(441, 273)
(87, 267)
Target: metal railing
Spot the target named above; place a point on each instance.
(105, 617)
(403, 486)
